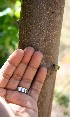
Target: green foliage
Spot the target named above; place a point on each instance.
(62, 99)
(9, 13)
(66, 113)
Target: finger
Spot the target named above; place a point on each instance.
(31, 70)
(15, 79)
(3, 92)
(38, 83)
(20, 99)
(10, 66)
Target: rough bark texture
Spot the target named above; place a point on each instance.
(40, 26)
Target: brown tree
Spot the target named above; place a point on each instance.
(40, 27)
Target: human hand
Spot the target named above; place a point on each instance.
(19, 70)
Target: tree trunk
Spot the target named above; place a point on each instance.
(40, 27)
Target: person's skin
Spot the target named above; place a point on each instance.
(19, 70)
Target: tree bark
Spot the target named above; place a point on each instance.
(40, 27)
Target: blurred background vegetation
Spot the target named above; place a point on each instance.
(9, 14)
(61, 102)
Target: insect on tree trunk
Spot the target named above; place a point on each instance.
(40, 27)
